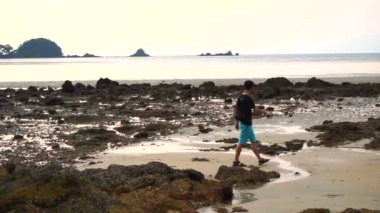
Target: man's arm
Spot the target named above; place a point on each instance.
(236, 122)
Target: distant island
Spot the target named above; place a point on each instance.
(87, 55)
(45, 48)
(36, 48)
(140, 53)
(229, 53)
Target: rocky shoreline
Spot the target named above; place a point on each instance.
(78, 119)
(40, 127)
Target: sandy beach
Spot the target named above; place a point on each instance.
(335, 178)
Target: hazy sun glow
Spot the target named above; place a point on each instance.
(169, 27)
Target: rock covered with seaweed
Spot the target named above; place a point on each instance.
(152, 187)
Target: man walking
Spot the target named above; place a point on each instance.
(245, 107)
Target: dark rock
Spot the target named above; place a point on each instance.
(32, 89)
(278, 82)
(207, 85)
(104, 83)
(200, 159)
(52, 111)
(127, 128)
(374, 144)
(9, 167)
(162, 128)
(315, 82)
(270, 109)
(52, 101)
(351, 210)
(55, 146)
(95, 138)
(60, 121)
(315, 210)
(140, 53)
(295, 145)
(242, 177)
(228, 140)
(312, 143)
(273, 149)
(80, 86)
(239, 209)
(268, 92)
(85, 157)
(228, 100)
(222, 210)
(226, 192)
(141, 135)
(261, 107)
(68, 87)
(18, 137)
(193, 175)
(327, 122)
(115, 188)
(203, 129)
(335, 134)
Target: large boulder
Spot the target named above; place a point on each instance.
(152, 187)
(315, 82)
(104, 83)
(243, 177)
(68, 87)
(32, 89)
(79, 86)
(335, 134)
(207, 85)
(278, 82)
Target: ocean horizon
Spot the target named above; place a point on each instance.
(358, 67)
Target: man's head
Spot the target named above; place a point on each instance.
(248, 86)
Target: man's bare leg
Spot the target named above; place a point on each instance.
(256, 151)
(237, 152)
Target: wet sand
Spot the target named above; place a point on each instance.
(339, 179)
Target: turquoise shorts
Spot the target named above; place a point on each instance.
(246, 134)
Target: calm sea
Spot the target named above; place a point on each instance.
(20, 72)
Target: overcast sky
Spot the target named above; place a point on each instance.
(188, 27)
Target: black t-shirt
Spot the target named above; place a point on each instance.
(244, 106)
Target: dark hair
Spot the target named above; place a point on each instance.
(248, 84)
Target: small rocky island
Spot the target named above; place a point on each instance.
(37, 48)
(140, 53)
(229, 53)
(86, 55)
